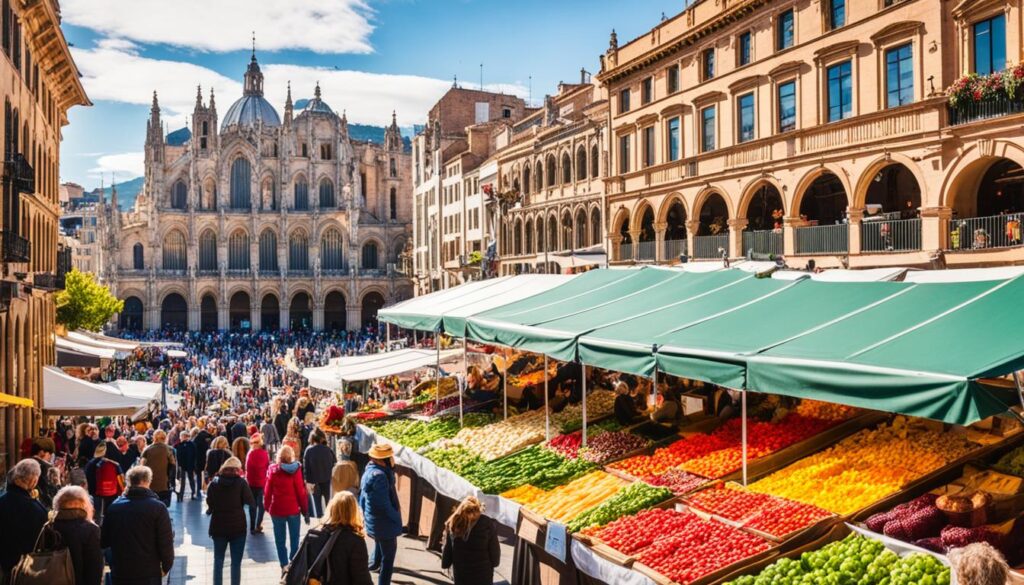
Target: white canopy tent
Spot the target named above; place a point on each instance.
(105, 353)
(108, 343)
(368, 367)
(66, 395)
(107, 338)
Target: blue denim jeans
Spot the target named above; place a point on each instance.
(384, 551)
(220, 546)
(283, 524)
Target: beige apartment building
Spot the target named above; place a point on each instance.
(552, 167)
(817, 130)
(40, 83)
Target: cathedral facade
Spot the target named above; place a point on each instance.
(254, 222)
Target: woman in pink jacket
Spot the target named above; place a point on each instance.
(256, 464)
(284, 498)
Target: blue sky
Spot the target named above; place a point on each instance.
(371, 57)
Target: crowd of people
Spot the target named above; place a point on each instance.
(242, 437)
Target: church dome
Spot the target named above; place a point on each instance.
(252, 107)
(317, 105)
(249, 110)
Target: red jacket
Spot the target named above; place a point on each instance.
(285, 493)
(256, 464)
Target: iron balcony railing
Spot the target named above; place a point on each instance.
(823, 239)
(48, 281)
(674, 249)
(763, 242)
(984, 110)
(15, 247)
(980, 233)
(647, 251)
(706, 247)
(625, 252)
(898, 235)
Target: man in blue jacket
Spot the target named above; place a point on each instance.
(137, 529)
(378, 499)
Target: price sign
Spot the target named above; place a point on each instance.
(555, 543)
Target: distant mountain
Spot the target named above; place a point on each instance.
(126, 192)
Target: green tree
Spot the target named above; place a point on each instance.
(85, 303)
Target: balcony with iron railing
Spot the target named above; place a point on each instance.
(709, 247)
(983, 233)
(763, 242)
(984, 110)
(647, 251)
(823, 239)
(48, 281)
(890, 235)
(15, 247)
(625, 252)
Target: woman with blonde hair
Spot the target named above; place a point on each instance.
(284, 498)
(979, 564)
(240, 449)
(345, 478)
(73, 521)
(470, 544)
(219, 453)
(348, 560)
(293, 437)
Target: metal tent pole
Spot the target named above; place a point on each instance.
(387, 337)
(504, 388)
(547, 413)
(437, 379)
(465, 378)
(583, 368)
(743, 407)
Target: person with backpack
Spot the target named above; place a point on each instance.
(334, 553)
(105, 480)
(284, 498)
(470, 544)
(226, 498)
(19, 507)
(73, 521)
(378, 499)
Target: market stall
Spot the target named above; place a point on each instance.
(66, 395)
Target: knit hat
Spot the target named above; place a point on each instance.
(231, 463)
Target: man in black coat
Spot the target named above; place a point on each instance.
(18, 507)
(137, 529)
(202, 442)
(318, 462)
(185, 453)
(238, 430)
(42, 451)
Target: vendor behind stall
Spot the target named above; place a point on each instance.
(668, 410)
(626, 411)
(477, 388)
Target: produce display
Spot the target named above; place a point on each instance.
(564, 503)
(766, 513)
(448, 402)
(1012, 462)
(536, 466)
(400, 405)
(628, 500)
(370, 415)
(417, 434)
(677, 480)
(331, 419)
(856, 560)
(524, 494)
(568, 444)
(607, 446)
(866, 467)
(456, 458)
(681, 545)
(427, 390)
(721, 452)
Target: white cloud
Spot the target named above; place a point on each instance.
(334, 26)
(124, 166)
(115, 71)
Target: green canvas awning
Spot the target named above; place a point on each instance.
(552, 327)
(449, 308)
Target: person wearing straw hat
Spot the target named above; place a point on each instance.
(226, 498)
(378, 499)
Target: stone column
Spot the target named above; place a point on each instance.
(659, 241)
(255, 312)
(318, 316)
(285, 316)
(789, 225)
(854, 244)
(614, 242)
(736, 227)
(692, 229)
(634, 235)
(935, 229)
(355, 315)
(223, 317)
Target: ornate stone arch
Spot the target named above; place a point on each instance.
(859, 197)
(705, 193)
(751, 189)
(637, 217)
(325, 225)
(622, 215)
(793, 206)
(168, 290)
(971, 164)
(168, 226)
(666, 204)
(371, 288)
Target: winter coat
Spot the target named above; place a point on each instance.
(185, 451)
(226, 498)
(318, 462)
(269, 432)
(281, 423)
(18, 508)
(379, 502)
(349, 560)
(137, 528)
(256, 464)
(238, 430)
(159, 457)
(82, 538)
(214, 459)
(474, 558)
(285, 492)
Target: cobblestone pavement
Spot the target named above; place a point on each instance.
(193, 562)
